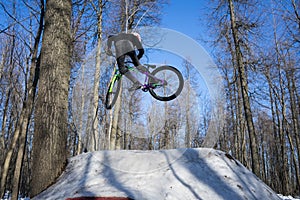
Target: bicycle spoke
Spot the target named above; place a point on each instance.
(171, 80)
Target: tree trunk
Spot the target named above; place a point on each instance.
(187, 112)
(5, 163)
(51, 116)
(292, 93)
(81, 113)
(95, 129)
(275, 130)
(166, 136)
(245, 97)
(119, 138)
(115, 121)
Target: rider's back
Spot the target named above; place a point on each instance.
(125, 42)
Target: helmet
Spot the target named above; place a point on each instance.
(137, 35)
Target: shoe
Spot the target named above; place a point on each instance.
(134, 87)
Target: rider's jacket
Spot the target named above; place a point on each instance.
(124, 43)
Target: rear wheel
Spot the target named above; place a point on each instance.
(169, 87)
(113, 92)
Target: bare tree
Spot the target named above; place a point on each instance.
(244, 88)
(94, 138)
(28, 106)
(19, 133)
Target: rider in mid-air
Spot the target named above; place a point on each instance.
(125, 45)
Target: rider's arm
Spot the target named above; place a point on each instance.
(141, 53)
(139, 47)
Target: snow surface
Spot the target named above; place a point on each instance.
(287, 197)
(167, 174)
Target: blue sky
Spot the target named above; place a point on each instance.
(184, 16)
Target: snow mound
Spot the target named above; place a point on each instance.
(167, 174)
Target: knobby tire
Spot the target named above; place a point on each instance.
(113, 92)
(175, 91)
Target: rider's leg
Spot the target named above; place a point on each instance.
(120, 62)
(136, 62)
(134, 58)
(124, 71)
(136, 84)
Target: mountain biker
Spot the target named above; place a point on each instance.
(125, 45)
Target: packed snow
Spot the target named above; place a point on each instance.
(167, 174)
(288, 197)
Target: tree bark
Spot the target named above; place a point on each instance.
(187, 112)
(115, 121)
(51, 116)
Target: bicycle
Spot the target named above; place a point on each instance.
(164, 83)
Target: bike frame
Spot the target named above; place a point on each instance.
(145, 86)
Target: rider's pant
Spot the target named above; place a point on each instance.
(120, 60)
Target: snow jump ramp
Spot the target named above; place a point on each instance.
(185, 174)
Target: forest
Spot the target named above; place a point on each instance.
(54, 74)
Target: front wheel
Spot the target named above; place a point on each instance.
(113, 92)
(168, 83)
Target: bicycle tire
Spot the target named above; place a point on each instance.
(159, 93)
(113, 92)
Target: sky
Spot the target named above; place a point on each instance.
(184, 16)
